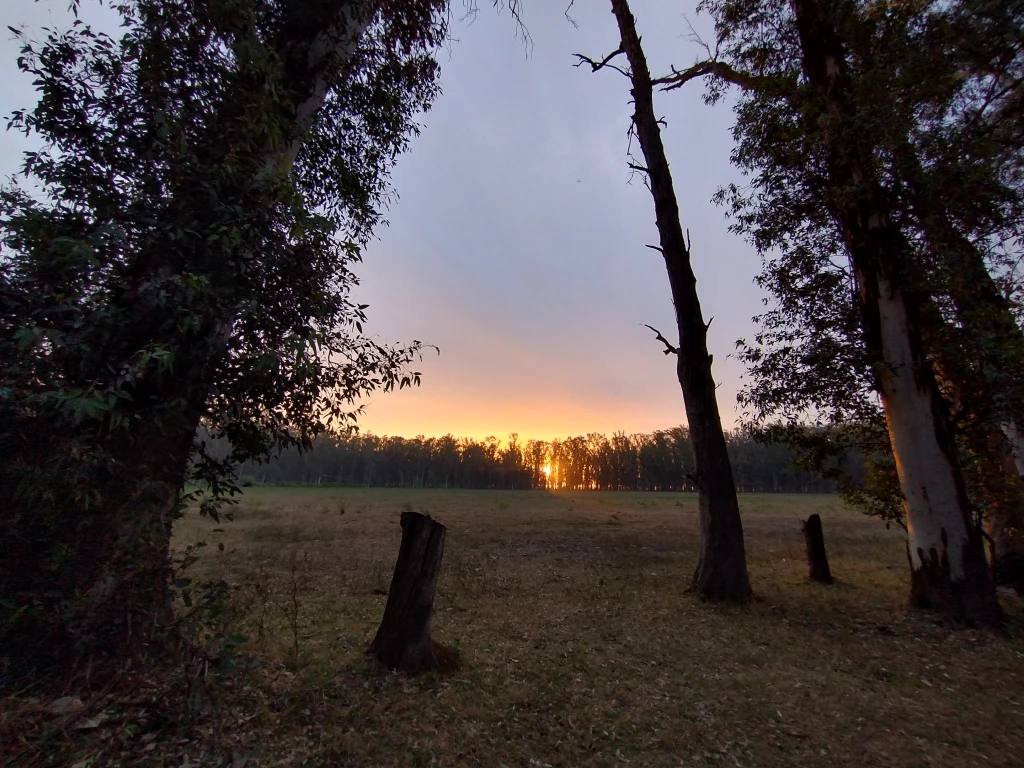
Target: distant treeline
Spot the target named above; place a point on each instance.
(659, 461)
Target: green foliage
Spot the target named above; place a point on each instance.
(249, 273)
(169, 265)
(934, 84)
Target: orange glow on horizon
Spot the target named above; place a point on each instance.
(530, 401)
(435, 412)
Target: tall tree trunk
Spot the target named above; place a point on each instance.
(128, 605)
(945, 545)
(91, 562)
(721, 572)
(316, 39)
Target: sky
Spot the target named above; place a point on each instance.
(517, 245)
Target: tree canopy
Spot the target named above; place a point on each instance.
(182, 255)
(893, 164)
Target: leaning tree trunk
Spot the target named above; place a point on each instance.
(721, 572)
(1016, 440)
(945, 544)
(403, 639)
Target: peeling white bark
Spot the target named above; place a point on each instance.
(332, 47)
(1016, 445)
(927, 477)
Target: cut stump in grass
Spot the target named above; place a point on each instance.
(403, 639)
(817, 560)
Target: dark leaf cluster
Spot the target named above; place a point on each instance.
(180, 252)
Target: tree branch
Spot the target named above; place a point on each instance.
(712, 68)
(603, 63)
(569, 18)
(669, 349)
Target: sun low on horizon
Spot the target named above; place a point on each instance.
(446, 405)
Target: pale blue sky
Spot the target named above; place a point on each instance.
(517, 245)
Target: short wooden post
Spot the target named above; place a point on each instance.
(817, 560)
(403, 639)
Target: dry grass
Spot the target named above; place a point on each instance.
(580, 648)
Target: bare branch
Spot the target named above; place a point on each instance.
(635, 167)
(604, 63)
(659, 250)
(694, 37)
(515, 7)
(711, 68)
(569, 18)
(669, 349)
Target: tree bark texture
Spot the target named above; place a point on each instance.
(945, 546)
(817, 558)
(721, 572)
(403, 639)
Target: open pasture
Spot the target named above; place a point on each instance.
(578, 643)
(580, 647)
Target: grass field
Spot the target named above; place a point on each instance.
(580, 647)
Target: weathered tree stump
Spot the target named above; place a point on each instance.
(817, 560)
(403, 639)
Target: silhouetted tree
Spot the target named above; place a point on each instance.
(866, 130)
(660, 461)
(204, 186)
(722, 566)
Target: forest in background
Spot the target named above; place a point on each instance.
(659, 461)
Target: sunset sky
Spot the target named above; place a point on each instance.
(517, 246)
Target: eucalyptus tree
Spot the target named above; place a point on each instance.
(183, 255)
(884, 213)
(945, 544)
